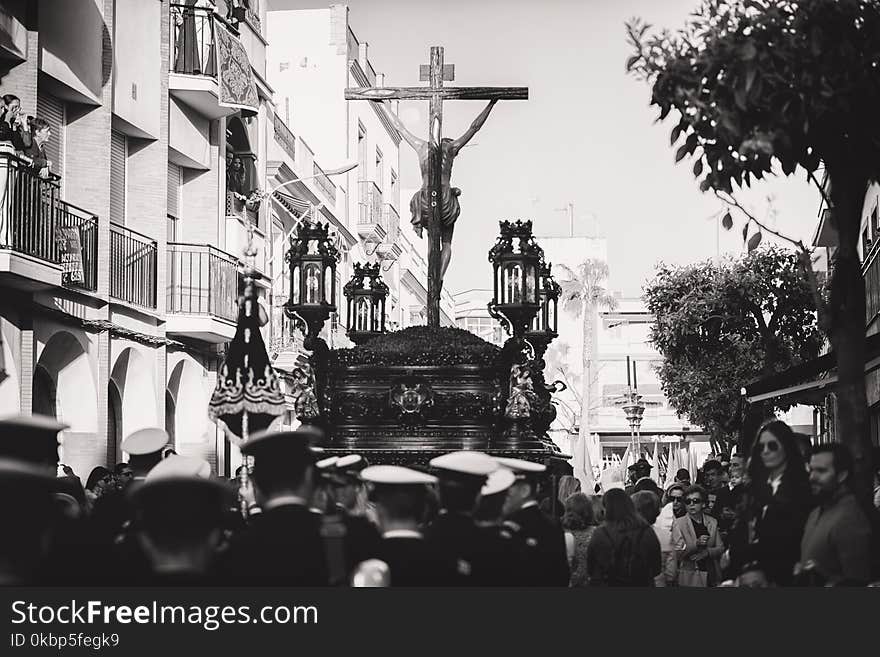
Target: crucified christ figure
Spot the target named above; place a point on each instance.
(420, 204)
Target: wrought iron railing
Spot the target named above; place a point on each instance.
(202, 280)
(36, 222)
(192, 41)
(324, 183)
(27, 210)
(285, 138)
(77, 233)
(370, 204)
(133, 260)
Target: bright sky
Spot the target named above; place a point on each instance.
(586, 135)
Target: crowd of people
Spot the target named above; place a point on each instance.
(786, 514)
(293, 516)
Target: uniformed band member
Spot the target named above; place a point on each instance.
(336, 497)
(178, 514)
(144, 448)
(28, 521)
(547, 561)
(282, 546)
(482, 557)
(31, 438)
(400, 495)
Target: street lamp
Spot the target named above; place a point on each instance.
(366, 293)
(345, 168)
(633, 407)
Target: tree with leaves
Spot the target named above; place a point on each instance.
(720, 326)
(762, 85)
(583, 293)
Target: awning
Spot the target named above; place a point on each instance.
(809, 382)
(235, 75)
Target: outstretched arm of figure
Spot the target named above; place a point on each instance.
(416, 143)
(459, 143)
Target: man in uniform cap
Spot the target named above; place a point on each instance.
(144, 448)
(547, 560)
(641, 474)
(483, 558)
(340, 507)
(400, 495)
(31, 438)
(178, 517)
(281, 546)
(28, 520)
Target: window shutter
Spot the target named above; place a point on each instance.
(117, 177)
(174, 180)
(52, 109)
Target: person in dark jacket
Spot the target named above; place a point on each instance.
(282, 545)
(400, 495)
(547, 561)
(41, 132)
(778, 500)
(624, 550)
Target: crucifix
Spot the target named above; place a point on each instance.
(435, 206)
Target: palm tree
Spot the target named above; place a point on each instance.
(583, 293)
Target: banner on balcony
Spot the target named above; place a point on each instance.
(70, 250)
(236, 79)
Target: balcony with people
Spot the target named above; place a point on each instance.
(202, 292)
(44, 241)
(210, 68)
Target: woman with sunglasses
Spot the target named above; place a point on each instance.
(696, 541)
(779, 500)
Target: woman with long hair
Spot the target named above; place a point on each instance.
(624, 550)
(579, 524)
(779, 499)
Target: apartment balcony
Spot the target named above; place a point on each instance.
(390, 249)
(322, 180)
(44, 242)
(194, 62)
(285, 348)
(202, 291)
(133, 260)
(372, 224)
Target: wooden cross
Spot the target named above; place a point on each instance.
(436, 73)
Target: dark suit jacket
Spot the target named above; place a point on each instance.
(491, 555)
(280, 547)
(779, 527)
(546, 560)
(416, 562)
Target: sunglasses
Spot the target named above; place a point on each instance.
(771, 446)
(694, 500)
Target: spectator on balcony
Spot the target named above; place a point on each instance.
(13, 139)
(235, 178)
(14, 135)
(36, 152)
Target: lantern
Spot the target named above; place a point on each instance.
(312, 258)
(544, 328)
(516, 259)
(366, 293)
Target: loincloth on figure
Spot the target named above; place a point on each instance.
(420, 209)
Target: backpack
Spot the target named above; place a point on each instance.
(628, 565)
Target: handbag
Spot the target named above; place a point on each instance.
(694, 578)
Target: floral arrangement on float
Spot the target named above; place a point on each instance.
(421, 345)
